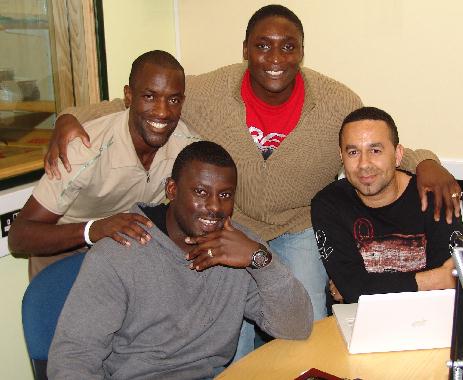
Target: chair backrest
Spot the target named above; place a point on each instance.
(41, 306)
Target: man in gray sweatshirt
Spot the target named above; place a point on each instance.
(173, 308)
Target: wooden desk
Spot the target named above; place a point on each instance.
(325, 349)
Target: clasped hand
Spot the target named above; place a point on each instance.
(229, 247)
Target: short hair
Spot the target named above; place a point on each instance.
(372, 113)
(156, 57)
(203, 151)
(271, 11)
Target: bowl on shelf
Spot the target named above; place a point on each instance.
(10, 91)
(29, 89)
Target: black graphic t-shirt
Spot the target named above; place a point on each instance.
(378, 250)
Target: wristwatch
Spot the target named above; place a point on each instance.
(261, 258)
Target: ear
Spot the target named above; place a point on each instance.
(399, 153)
(340, 154)
(127, 96)
(171, 189)
(245, 51)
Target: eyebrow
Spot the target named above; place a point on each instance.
(372, 145)
(150, 90)
(285, 37)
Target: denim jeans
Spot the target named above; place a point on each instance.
(245, 341)
(299, 252)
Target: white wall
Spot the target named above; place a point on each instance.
(404, 56)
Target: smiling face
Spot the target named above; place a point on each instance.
(200, 200)
(274, 51)
(370, 160)
(155, 98)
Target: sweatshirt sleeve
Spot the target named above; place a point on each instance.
(84, 334)
(94, 111)
(343, 261)
(412, 158)
(278, 302)
(441, 236)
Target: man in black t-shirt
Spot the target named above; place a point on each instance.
(371, 233)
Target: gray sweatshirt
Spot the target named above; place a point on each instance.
(141, 313)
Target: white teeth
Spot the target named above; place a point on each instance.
(208, 222)
(274, 73)
(156, 125)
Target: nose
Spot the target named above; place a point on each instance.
(275, 55)
(213, 204)
(160, 109)
(364, 161)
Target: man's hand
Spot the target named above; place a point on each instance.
(228, 247)
(433, 177)
(67, 128)
(438, 278)
(123, 223)
(335, 292)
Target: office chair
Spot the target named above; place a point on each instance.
(41, 306)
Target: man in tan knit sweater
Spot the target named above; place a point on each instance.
(280, 123)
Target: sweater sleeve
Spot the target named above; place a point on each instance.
(412, 158)
(278, 302)
(84, 334)
(343, 261)
(94, 111)
(441, 236)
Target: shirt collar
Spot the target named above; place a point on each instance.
(123, 153)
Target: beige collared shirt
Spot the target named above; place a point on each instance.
(108, 178)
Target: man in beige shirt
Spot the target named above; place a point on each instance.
(132, 153)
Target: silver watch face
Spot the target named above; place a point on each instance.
(260, 259)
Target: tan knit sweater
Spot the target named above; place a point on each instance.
(273, 197)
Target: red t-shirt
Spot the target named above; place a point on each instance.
(269, 125)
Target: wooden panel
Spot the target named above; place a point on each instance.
(61, 55)
(78, 57)
(75, 58)
(83, 47)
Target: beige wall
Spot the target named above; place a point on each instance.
(403, 56)
(132, 28)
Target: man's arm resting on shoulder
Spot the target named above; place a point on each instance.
(278, 302)
(35, 232)
(431, 176)
(68, 126)
(94, 310)
(440, 238)
(94, 111)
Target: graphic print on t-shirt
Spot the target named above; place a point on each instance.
(389, 253)
(269, 142)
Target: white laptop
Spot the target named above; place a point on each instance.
(397, 321)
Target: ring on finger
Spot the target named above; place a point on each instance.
(456, 195)
(209, 252)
